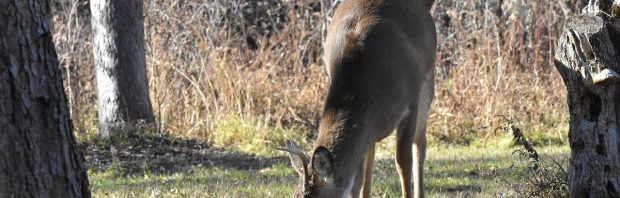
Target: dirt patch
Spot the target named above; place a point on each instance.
(157, 153)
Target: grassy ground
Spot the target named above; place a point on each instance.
(490, 170)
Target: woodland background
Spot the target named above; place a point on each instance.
(243, 76)
(221, 67)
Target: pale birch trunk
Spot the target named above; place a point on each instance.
(118, 47)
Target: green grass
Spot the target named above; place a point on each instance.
(212, 182)
(450, 171)
(247, 136)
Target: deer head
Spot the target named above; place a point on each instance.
(316, 174)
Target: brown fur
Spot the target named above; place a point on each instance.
(380, 56)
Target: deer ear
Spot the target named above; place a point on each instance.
(322, 163)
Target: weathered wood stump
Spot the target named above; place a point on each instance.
(587, 58)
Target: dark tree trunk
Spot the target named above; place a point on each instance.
(118, 47)
(587, 59)
(38, 153)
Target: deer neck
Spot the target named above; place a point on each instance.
(338, 130)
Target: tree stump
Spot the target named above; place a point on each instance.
(587, 59)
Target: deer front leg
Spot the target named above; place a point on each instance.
(358, 182)
(363, 179)
(369, 163)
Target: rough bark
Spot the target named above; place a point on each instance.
(118, 47)
(38, 154)
(587, 59)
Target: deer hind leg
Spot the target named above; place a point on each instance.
(404, 158)
(419, 140)
(411, 142)
(419, 154)
(363, 179)
(410, 155)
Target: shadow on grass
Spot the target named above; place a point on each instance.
(224, 178)
(155, 153)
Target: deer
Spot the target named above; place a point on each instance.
(380, 57)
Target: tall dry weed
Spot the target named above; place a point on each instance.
(260, 61)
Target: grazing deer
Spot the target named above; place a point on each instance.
(380, 56)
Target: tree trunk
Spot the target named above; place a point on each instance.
(38, 153)
(587, 59)
(118, 47)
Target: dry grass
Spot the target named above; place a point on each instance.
(544, 176)
(259, 61)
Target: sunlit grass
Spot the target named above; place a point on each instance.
(450, 171)
(249, 137)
